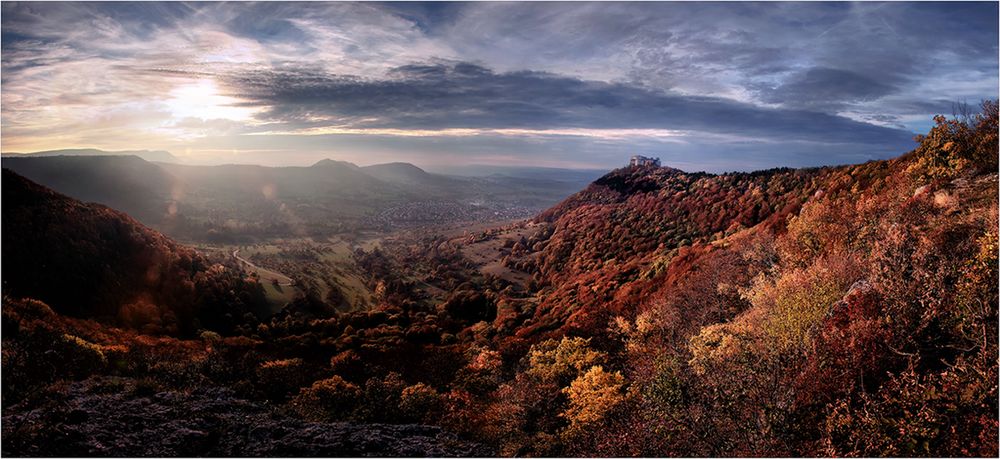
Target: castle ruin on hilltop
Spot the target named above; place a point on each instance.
(641, 161)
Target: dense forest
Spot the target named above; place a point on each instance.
(836, 311)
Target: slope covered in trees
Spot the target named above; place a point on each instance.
(610, 246)
(836, 311)
(87, 260)
(126, 183)
(840, 311)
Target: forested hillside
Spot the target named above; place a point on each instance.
(859, 319)
(838, 311)
(612, 245)
(90, 261)
(831, 311)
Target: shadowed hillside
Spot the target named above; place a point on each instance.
(87, 260)
(128, 183)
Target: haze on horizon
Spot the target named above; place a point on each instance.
(704, 86)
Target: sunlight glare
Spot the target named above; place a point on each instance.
(201, 99)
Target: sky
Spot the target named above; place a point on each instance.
(703, 86)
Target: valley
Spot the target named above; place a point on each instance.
(653, 312)
(296, 229)
(241, 204)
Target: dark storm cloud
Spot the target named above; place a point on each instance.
(464, 95)
(825, 88)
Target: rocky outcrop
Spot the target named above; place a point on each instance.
(98, 418)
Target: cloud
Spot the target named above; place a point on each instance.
(582, 83)
(824, 88)
(465, 95)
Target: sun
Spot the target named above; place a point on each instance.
(201, 99)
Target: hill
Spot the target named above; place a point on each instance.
(342, 179)
(90, 261)
(607, 246)
(129, 183)
(398, 173)
(833, 311)
(784, 312)
(246, 203)
(148, 155)
(334, 163)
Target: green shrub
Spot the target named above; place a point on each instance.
(382, 398)
(81, 356)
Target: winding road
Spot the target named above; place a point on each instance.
(283, 280)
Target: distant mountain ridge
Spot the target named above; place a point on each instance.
(149, 155)
(327, 162)
(236, 202)
(128, 183)
(398, 172)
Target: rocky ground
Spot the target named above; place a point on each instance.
(96, 418)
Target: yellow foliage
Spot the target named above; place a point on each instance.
(592, 396)
(210, 337)
(716, 343)
(977, 289)
(816, 231)
(786, 309)
(954, 145)
(557, 361)
(86, 348)
(419, 402)
(284, 363)
(327, 399)
(797, 300)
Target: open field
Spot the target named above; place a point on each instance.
(489, 248)
(279, 288)
(322, 268)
